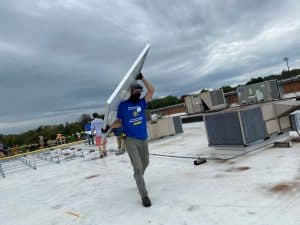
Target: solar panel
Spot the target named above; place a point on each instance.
(122, 91)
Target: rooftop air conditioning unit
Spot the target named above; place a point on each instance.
(241, 127)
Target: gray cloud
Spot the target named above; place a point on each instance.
(59, 59)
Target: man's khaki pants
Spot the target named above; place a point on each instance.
(139, 156)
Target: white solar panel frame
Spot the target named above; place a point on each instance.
(122, 91)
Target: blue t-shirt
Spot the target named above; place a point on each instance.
(88, 127)
(133, 118)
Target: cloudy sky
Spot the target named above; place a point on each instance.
(59, 59)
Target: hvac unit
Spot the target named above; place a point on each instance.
(240, 127)
(161, 128)
(295, 120)
(260, 92)
(284, 123)
(177, 124)
(193, 104)
(213, 100)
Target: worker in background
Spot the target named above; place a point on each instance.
(3, 149)
(118, 132)
(88, 133)
(96, 126)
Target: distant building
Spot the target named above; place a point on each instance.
(166, 111)
(290, 85)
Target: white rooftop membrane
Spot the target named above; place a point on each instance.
(261, 187)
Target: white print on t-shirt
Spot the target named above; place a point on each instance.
(135, 114)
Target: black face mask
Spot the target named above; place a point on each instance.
(135, 98)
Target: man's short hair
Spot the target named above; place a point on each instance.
(95, 115)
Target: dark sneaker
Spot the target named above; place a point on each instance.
(120, 152)
(146, 201)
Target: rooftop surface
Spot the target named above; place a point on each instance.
(262, 187)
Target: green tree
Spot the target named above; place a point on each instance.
(163, 102)
(228, 89)
(255, 80)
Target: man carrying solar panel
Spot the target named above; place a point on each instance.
(132, 117)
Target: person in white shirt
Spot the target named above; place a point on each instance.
(96, 126)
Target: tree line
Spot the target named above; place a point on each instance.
(48, 132)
